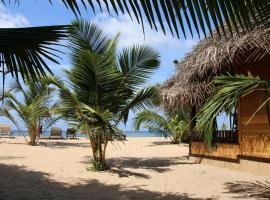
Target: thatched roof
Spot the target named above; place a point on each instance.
(213, 56)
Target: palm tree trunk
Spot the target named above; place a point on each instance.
(99, 147)
(105, 146)
(98, 152)
(180, 137)
(192, 125)
(93, 144)
(33, 135)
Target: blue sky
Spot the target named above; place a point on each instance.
(41, 13)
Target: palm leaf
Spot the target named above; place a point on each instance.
(225, 99)
(137, 64)
(149, 118)
(24, 50)
(236, 15)
(142, 99)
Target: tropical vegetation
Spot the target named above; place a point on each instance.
(180, 15)
(25, 50)
(104, 85)
(31, 103)
(167, 125)
(229, 89)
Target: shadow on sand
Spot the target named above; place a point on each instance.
(157, 143)
(60, 144)
(124, 166)
(245, 190)
(19, 183)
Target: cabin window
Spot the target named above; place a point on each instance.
(227, 128)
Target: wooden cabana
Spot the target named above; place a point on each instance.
(247, 147)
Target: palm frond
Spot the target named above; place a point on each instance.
(31, 102)
(137, 64)
(6, 113)
(225, 98)
(24, 50)
(142, 99)
(181, 15)
(150, 119)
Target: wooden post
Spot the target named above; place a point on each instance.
(192, 126)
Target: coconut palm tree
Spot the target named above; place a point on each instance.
(229, 88)
(104, 85)
(166, 125)
(32, 104)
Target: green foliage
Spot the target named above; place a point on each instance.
(224, 126)
(180, 15)
(32, 104)
(24, 50)
(103, 85)
(170, 126)
(225, 98)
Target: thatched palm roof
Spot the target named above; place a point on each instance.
(191, 83)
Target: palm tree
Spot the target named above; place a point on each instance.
(104, 85)
(225, 98)
(168, 126)
(32, 104)
(24, 50)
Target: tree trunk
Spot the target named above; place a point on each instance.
(192, 126)
(180, 138)
(93, 145)
(33, 136)
(97, 150)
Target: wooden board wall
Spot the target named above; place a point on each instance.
(230, 151)
(255, 136)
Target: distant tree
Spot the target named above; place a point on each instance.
(32, 103)
(167, 125)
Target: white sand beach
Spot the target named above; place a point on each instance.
(142, 168)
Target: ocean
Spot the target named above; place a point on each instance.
(128, 133)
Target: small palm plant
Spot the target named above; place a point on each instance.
(104, 85)
(32, 104)
(167, 125)
(229, 89)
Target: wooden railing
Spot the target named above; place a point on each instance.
(226, 136)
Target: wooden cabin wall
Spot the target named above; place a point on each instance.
(254, 137)
(227, 151)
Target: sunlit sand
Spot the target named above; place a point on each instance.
(141, 168)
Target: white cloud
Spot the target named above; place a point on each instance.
(131, 33)
(9, 20)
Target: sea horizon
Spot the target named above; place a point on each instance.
(47, 133)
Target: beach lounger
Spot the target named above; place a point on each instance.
(56, 133)
(71, 133)
(120, 137)
(5, 131)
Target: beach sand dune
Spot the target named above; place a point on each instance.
(141, 168)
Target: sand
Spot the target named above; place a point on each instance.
(141, 168)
